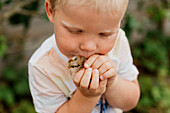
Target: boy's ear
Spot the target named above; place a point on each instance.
(49, 11)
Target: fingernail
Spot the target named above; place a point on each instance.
(101, 77)
(89, 69)
(96, 70)
(86, 65)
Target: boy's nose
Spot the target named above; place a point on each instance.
(88, 46)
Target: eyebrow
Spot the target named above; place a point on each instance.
(71, 26)
(79, 27)
(110, 31)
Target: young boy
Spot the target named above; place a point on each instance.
(88, 28)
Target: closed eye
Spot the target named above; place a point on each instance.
(105, 34)
(74, 31)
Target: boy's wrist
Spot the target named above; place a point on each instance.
(80, 103)
(88, 98)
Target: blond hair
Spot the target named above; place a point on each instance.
(110, 6)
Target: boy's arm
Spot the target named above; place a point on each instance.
(88, 93)
(79, 104)
(123, 94)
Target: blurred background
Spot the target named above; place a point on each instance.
(24, 26)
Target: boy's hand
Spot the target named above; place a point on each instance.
(88, 82)
(106, 67)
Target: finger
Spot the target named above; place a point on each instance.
(99, 61)
(94, 81)
(78, 76)
(90, 61)
(105, 67)
(111, 73)
(102, 84)
(85, 81)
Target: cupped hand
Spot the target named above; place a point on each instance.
(89, 83)
(106, 67)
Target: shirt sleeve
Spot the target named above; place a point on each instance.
(47, 97)
(126, 68)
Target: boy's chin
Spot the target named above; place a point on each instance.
(72, 55)
(69, 55)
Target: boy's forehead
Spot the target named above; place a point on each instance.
(110, 6)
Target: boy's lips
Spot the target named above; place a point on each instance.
(83, 54)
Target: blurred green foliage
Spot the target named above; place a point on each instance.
(21, 18)
(131, 24)
(151, 56)
(153, 53)
(3, 46)
(155, 95)
(14, 89)
(0, 5)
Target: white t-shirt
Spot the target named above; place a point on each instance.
(48, 63)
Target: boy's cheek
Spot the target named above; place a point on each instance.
(65, 42)
(66, 48)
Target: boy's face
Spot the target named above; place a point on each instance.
(82, 31)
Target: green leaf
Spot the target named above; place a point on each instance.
(24, 107)
(146, 83)
(0, 5)
(165, 102)
(168, 110)
(6, 95)
(3, 46)
(156, 93)
(130, 25)
(10, 74)
(22, 87)
(146, 101)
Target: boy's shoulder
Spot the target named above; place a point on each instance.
(48, 59)
(42, 50)
(50, 62)
(47, 48)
